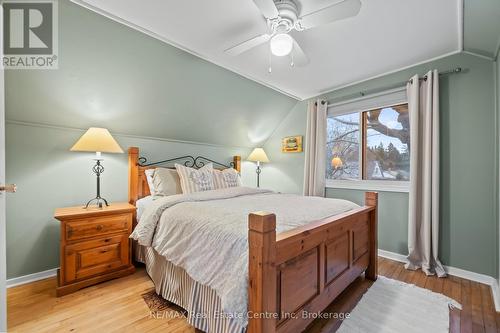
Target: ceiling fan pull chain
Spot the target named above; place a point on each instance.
(292, 63)
(270, 62)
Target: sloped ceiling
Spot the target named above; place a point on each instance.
(113, 76)
(482, 27)
(116, 77)
(385, 36)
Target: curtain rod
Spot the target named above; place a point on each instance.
(451, 71)
(455, 70)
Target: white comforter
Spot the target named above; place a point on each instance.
(205, 233)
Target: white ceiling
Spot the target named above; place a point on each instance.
(387, 35)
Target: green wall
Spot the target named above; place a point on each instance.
(469, 224)
(285, 173)
(115, 77)
(497, 63)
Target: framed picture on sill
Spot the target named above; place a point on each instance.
(291, 144)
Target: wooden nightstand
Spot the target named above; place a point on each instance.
(94, 245)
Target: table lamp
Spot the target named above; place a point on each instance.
(97, 140)
(258, 155)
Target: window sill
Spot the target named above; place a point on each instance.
(370, 185)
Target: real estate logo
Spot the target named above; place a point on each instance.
(29, 38)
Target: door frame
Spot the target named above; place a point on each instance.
(3, 231)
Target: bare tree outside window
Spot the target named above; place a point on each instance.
(372, 145)
(342, 146)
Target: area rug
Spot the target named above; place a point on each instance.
(157, 303)
(393, 306)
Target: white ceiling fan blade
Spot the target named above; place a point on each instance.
(300, 59)
(336, 12)
(247, 45)
(267, 8)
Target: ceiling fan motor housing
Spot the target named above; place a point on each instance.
(288, 16)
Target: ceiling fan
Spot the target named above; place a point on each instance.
(283, 16)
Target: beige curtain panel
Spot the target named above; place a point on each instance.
(423, 228)
(315, 159)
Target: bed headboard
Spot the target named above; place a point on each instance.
(137, 182)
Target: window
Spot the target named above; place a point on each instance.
(342, 146)
(372, 145)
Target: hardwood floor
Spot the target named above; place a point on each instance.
(117, 306)
(478, 311)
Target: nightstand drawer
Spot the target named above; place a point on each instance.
(91, 227)
(94, 257)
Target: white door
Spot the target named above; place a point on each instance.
(3, 265)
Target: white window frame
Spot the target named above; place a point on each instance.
(363, 104)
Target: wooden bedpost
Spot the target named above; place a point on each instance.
(237, 163)
(133, 175)
(371, 200)
(262, 273)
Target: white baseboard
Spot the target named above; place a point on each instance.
(461, 273)
(391, 255)
(31, 277)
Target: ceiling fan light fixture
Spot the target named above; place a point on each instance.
(281, 45)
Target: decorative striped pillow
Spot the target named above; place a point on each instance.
(193, 180)
(226, 178)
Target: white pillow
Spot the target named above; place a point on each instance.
(226, 178)
(166, 182)
(149, 177)
(193, 180)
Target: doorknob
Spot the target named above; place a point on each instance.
(11, 188)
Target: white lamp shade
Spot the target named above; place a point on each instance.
(258, 155)
(97, 140)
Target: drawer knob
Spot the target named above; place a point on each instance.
(99, 227)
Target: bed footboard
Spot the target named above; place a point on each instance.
(296, 274)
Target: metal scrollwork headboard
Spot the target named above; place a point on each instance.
(137, 166)
(188, 160)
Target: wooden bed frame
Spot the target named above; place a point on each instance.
(298, 273)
